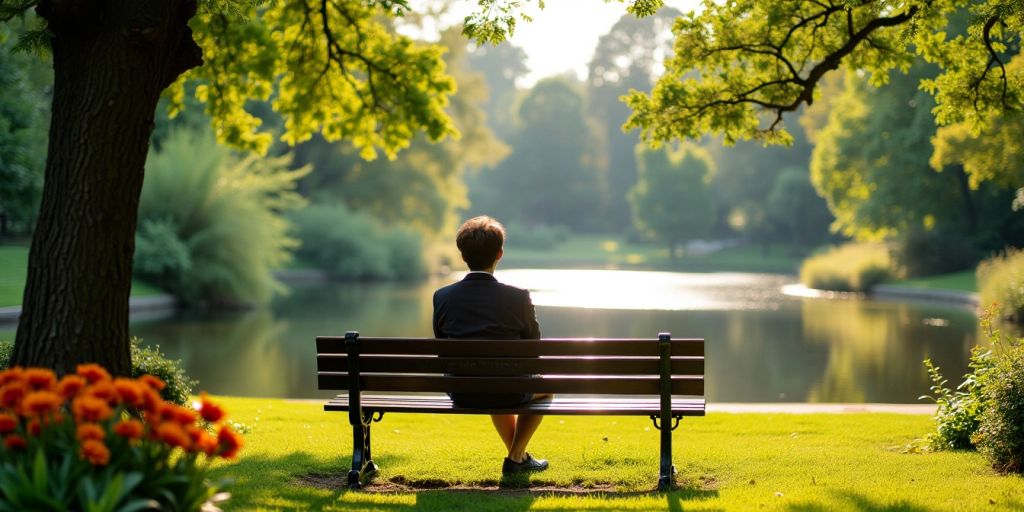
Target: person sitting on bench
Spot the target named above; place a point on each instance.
(479, 307)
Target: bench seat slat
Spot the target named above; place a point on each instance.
(511, 348)
(558, 406)
(498, 366)
(589, 384)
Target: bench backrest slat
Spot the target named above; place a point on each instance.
(689, 385)
(567, 366)
(625, 347)
(499, 366)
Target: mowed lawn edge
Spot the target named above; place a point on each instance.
(296, 457)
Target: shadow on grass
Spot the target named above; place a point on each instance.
(859, 502)
(300, 481)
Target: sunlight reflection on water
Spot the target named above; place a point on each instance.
(638, 290)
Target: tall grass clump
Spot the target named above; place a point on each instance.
(211, 228)
(986, 410)
(351, 245)
(1001, 280)
(852, 267)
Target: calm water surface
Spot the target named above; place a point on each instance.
(762, 345)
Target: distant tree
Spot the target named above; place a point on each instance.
(670, 201)
(502, 66)
(794, 206)
(23, 109)
(552, 176)
(627, 57)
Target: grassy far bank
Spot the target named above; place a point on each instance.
(599, 251)
(296, 457)
(14, 266)
(964, 281)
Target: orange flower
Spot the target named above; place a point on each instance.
(206, 444)
(40, 378)
(15, 442)
(90, 408)
(87, 431)
(95, 452)
(208, 410)
(151, 400)
(7, 423)
(229, 442)
(34, 428)
(173, 435)
(154, 383)
(92, 372)
(184, 415)
(11, 375)
(12, 393)
(129, 391)
(70, 385)
(41, 403)
(131, 429)
(104, 390)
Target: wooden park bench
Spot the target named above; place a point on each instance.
(661, 378)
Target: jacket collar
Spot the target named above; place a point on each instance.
(479, 276)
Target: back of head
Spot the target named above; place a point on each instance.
(480, 240)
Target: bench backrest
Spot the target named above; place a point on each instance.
(571, 366)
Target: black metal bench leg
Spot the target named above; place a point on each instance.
(362, 463)
(667, 469)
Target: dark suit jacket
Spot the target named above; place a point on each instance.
(479, 307)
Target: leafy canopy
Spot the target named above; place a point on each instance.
(739, 66)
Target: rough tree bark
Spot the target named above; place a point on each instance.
(111, 59)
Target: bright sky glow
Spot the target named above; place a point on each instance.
(563, 36)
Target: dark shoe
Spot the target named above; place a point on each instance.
(528, 464)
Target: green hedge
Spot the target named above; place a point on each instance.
(1001, 282)
(853, 267)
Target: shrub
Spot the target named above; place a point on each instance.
(145, 361)
(1000, 435)
(541, 237)
(1001, 280)
(90, 442)
(987, 409)
(212, 221)
(150, 361)
(851, 267)
(351, 245)
(924, 253)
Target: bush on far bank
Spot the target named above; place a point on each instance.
(1001, 280)
(852, 267)
(350, 245)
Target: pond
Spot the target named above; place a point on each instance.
(762, 345)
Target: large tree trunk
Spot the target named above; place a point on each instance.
(111, 61)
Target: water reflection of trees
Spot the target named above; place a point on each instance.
(875, 349)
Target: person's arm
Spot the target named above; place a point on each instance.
(437, 319)
(532, 331)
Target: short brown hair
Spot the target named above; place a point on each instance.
(479, 240)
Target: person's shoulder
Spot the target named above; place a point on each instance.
(514, 290)
(444, 291)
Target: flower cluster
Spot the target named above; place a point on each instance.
(100, 411)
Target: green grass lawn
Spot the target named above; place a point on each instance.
(595, 251)
(957, 281)
(296, 457)
(14, 265)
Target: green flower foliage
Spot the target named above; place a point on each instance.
(739, 66)
(334, 67)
